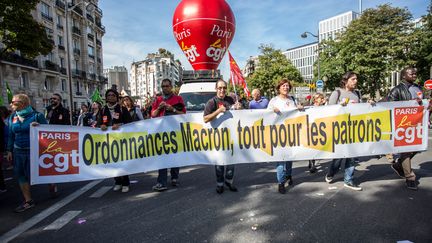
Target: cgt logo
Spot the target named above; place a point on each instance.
(408, 122)
(58, 153)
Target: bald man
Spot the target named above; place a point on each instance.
(258, 102)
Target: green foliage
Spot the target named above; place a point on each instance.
(374, 45)
(19, 31)
(273, 66)
(423, 48)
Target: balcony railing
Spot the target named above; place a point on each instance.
(92, 76)
(61, 47)
(51, 66)
(103, 79)
(83, 74)
(76, 30)
(60, 4)
(59, 26)
(63, 70)
(90, 36)
(76, 73)
(77, 51)
(15, 58)
(91, 56)
(89, 17)
(98, 42)
(99, 60)
(99, 11)
(78, 93)
(78, 10)
(99, 24)
(47, 17)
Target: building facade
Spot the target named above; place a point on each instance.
(118, 76)
(303, 58)
(146, 76)
(76, 32)
(329, 28)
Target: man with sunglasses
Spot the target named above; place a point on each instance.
(215, 106)
(167, 104)
(56, 114)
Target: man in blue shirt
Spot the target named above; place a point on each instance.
(258, 102)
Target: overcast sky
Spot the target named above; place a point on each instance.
(137, 27)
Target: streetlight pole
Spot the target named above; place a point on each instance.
(305, 35)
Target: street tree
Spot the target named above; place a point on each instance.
(373, 45)
(423, 47)
(19, 31)
(272, 67)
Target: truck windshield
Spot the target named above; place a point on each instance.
(196, 101)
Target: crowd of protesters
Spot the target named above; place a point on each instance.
(118, 110)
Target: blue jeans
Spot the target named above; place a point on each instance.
(229, 175)
(163, 175)
(349, 168)
(283, 169)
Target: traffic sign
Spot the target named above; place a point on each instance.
(428, 84)
(320, 84)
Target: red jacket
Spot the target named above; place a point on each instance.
(174, 100)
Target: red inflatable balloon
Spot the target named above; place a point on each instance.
(204, 30)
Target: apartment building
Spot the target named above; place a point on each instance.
(146, 75)
(76, 31)
(118, 76)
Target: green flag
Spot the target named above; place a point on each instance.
(9, 93)
(96, 97)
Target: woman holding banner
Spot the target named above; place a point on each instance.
(20, 121)
(283, 102)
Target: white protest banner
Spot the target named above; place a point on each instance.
(68, 153)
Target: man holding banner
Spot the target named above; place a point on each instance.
(213, 108)
(166, 105)
(406, 90)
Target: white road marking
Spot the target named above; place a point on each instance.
(99, 193)
(63, 220)
(15, 232)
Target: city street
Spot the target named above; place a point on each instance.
(311, 211)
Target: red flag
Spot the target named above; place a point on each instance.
(236, 75)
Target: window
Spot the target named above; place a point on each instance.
(50, 57)
(47, 84)
(91, 51)
(60, 40)
(24, 80)
(76, 44)
(45, 9)
(62, 62)
(77, 87)
(76, 62)
(59, 20)
(90, 30)
(63, 84)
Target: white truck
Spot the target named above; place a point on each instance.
(198, 87)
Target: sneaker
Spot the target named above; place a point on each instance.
(412, 185)
(23, 207)
(231, 187)
(290, 180)
(397, 167)
(53, 190)
(281, 188)
(353, 186)
(159, 187)
(117, 188)
(219, 189)
(125, 188)
(174, 182)
(313, 169)
(328, 179)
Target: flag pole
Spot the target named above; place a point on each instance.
(229, 62)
